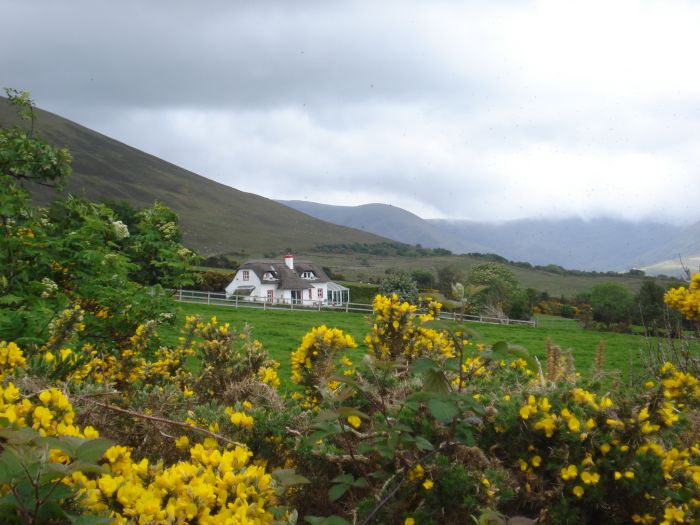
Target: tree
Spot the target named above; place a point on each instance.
(611, 303)
(76, 256)
(649, 304)
(500, 282)
(447, 276)
(401, 284)
(424, 278)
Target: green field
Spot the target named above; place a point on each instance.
(281, 331)
(362, 267)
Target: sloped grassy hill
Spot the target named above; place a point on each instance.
(215, 218)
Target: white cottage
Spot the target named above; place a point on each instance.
(286, 281)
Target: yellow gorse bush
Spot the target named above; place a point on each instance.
(686, 300)
(214, 486)
(312, 361)
(395, 333)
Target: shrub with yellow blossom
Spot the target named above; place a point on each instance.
(686, 300)
(313, 361)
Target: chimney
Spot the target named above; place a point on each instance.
(289, 261)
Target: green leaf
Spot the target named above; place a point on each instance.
(343, 478)
(500, 347)
(337, 491)
(325, 415)
(419, 366)
(345, 412)
(420, 396)
(288, 477)
(10, 299)
(436, 381)
(326, 520)
(91, 451)
(360, 483)
(443, 411)
(423, 444)
(89, 520)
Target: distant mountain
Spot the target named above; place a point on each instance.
(382, 219)
(215, 218)
(600, 244)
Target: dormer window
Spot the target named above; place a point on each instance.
(269, 276)
(308, 275)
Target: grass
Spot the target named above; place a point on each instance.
(363, 267)
(281, 331)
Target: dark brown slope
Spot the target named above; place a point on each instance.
(215, 218)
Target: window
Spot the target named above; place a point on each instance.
(320, 293)
(308, 275)
(245, 275)
(270, 295)
(269, 276)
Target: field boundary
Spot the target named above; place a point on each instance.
(262, 303)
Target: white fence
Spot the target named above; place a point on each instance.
(263, 303)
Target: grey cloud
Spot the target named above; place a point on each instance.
(448, 107)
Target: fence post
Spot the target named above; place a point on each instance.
(236, 300)
(347, 307)
(180, 294)
(208, 297)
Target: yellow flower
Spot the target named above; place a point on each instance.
(536, 461)
(186, 392)
(590, 478)
(574, 424)
(241, 420)
(427, 484)
(45, 397)
(672, 514)
(569, 472)
(578, 491)
(182, 442)
(409, 521)
(415, 473)
(107, 484)
(629, 474)
(354, 421)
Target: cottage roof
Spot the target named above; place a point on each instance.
(275, 271)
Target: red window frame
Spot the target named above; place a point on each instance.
(320, 293)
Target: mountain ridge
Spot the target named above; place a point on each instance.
(601, 244)
(106, 168)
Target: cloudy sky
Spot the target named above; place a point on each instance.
(488, 110)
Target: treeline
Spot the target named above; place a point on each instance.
(559, 270)
(387, 249)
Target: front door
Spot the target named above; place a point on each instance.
(296, 296)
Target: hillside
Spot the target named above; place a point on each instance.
(215, 218)
(596, 245)
(386, 220)
(365, 267)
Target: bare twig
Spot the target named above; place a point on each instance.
(170, 422)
